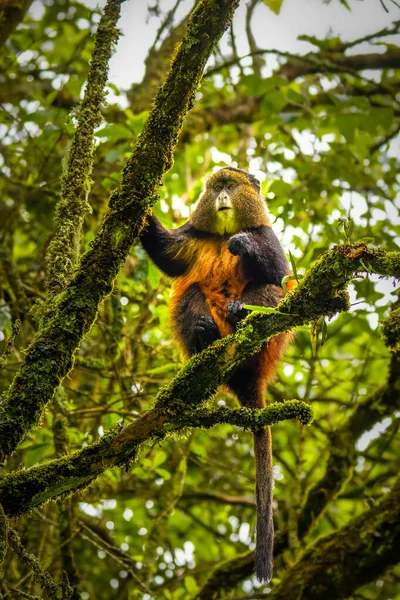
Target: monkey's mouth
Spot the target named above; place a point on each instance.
(224, 208)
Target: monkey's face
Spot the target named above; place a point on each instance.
(230, 202)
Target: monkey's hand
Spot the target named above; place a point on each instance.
(240, 245)
(203, 333)
(236, 312)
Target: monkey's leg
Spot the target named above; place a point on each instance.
(192, 318)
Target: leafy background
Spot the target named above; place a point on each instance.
(323, 137)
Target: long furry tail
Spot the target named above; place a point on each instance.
(265, 523)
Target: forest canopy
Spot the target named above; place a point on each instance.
(126, 471)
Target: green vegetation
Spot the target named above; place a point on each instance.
(128, 473)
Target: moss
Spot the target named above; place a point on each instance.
(63, 252)
(391, 330)
(246, 417)
(3, 537)
(26, 489)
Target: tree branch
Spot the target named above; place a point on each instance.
(338, 564)
(320, 292)
(63, 253)
(249, 418)
(11, 14)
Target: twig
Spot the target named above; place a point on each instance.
(10, 343)
(43, 578)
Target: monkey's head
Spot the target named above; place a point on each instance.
(230, 202)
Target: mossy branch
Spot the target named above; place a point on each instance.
(338, 564)
(247, 418)
(24, 490)
(3, 538)
(50, 356)
(318, 292)
(55, 591)
(64, 249)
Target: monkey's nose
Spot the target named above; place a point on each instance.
(223, 201)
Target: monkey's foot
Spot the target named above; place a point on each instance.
(204, 332)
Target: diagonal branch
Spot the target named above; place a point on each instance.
(319, 293)
(24, 490)
(11, 14)
(50, 356)
(338, 564)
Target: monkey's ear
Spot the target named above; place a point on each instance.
(255, 182)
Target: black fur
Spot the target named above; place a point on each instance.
(159, 243)
(196, 326)
(261, 254)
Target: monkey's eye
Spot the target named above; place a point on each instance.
(218, 187)
(231, 186)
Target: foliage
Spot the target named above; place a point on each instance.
(324, 132)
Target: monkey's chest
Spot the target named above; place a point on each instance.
(220, 277)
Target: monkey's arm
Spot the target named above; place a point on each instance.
(159, 244)
(192, 318)
(261, 254)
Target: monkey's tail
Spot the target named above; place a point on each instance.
(265, 523)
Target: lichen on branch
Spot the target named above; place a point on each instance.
(64, 249)
(247, 418)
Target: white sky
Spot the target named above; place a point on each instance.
(311, 17)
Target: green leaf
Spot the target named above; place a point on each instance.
(163, 473)
(280, 187)
(114, 131)
(314, 337)
(294, 268)
(274, 5)
(153, 276)
(273, 102)
(159, 458)
(262, 309)
(324, 333)
(191, 585)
